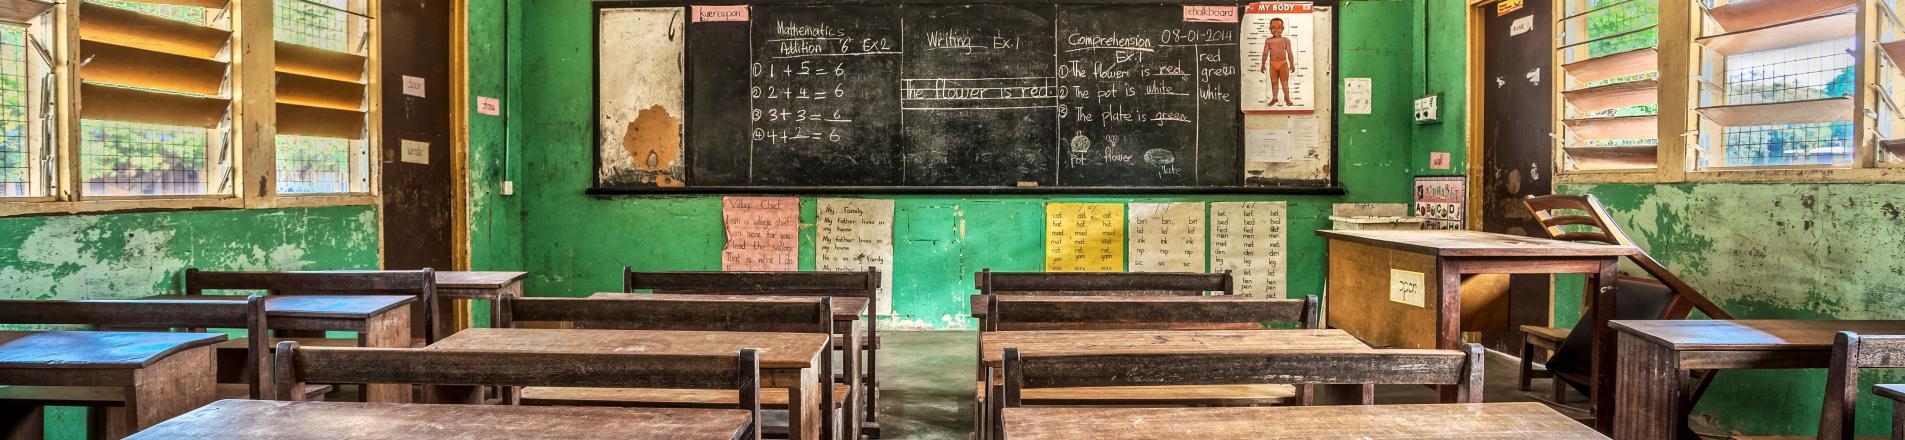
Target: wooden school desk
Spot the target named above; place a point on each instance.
(788, 360)
(278, 420)
(1655, 357)
(454, 287)
(379, 320)
(847, 311)
(159, 375)
(1471, 421)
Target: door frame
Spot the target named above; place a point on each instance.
(1477, 84)
(459, 137)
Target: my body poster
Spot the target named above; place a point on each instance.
(1084, 237)
(1279, 55)
(854, 234)
(763, 233)
(1248, 239)
(1166, 237)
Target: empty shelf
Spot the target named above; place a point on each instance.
(1613, 96)
(1606, 67)
(1625, 127)
(1784, 35)
(1809, 111)
(1613, 158)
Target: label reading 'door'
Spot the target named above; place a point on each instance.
(1210, 14)
(720, 13)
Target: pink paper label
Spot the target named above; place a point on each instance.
(720, 13)
(489, 106)
(1210, 14)
(1438, 161)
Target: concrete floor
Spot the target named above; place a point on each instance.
(927, 386)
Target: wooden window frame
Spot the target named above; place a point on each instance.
(1678, 59)
(253, 133)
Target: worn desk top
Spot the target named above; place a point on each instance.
(979, 301)
(317, 306)
(845, 308)
(993, 344)
(84, 349)
(1755, 335)
(1480, 421)
(477, 280)
(1476, 244)
(261, 419)
(777, 350)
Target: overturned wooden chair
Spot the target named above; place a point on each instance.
(802, 315)
(739, 374)
(21, 405)
(1112, 313)
(1664, 296)
(1028, 372)
(859, 284)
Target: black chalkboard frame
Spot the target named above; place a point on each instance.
(1332, 187)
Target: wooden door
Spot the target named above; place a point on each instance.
(419, 197)
(1517, 150)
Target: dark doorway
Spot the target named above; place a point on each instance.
(418, 198)
(1517, 151)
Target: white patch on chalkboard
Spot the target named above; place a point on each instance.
(640, 97)
(1501, 82)
(1534, 76)
(1521, 26)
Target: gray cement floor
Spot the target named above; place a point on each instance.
(927, 387)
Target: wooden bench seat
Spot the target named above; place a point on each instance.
(102, 397)
(1230, 395)
(773, 398)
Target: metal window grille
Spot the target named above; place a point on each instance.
(322, 24)
(14, 168)
(1798, 144)
(313, 165)
(128, 158)
(188, 14)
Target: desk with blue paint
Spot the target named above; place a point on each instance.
(379, 320)
(144, 377)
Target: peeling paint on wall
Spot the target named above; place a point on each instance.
(1772, 251)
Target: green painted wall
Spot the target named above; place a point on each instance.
(574, 244)
(1774, 251)
(1439, 57)
(132, 255)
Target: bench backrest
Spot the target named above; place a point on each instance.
(1103, 283)
(1135, 313)
(804, 315)
(1462, 368)
(419, 283)
(248, 314)
(299, 365)
(1851, 352)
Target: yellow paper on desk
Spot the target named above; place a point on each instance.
(1084, 237)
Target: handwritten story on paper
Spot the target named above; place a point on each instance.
(854, 234)
(1084, 237)
(1247, 238)
(763, 233)
(1166, 237)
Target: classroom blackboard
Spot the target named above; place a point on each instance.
(923, 97)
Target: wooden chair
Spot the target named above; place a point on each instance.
(1850, 353)
(419, 283)
(849, 284)
(298, 365)
(22, 404)
(813, 315)
(1897, 394)
(1154, 313)
(1666, 296)
(1462, 368)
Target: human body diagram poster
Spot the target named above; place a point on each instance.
(1279, 58)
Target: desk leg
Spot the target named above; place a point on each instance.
(1651, 394)
(1448, 321)
(850, 355)
(445, 322)
(390, 329)
(1601, 394)
(170, 387)
(803, 405)
(22, 421)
